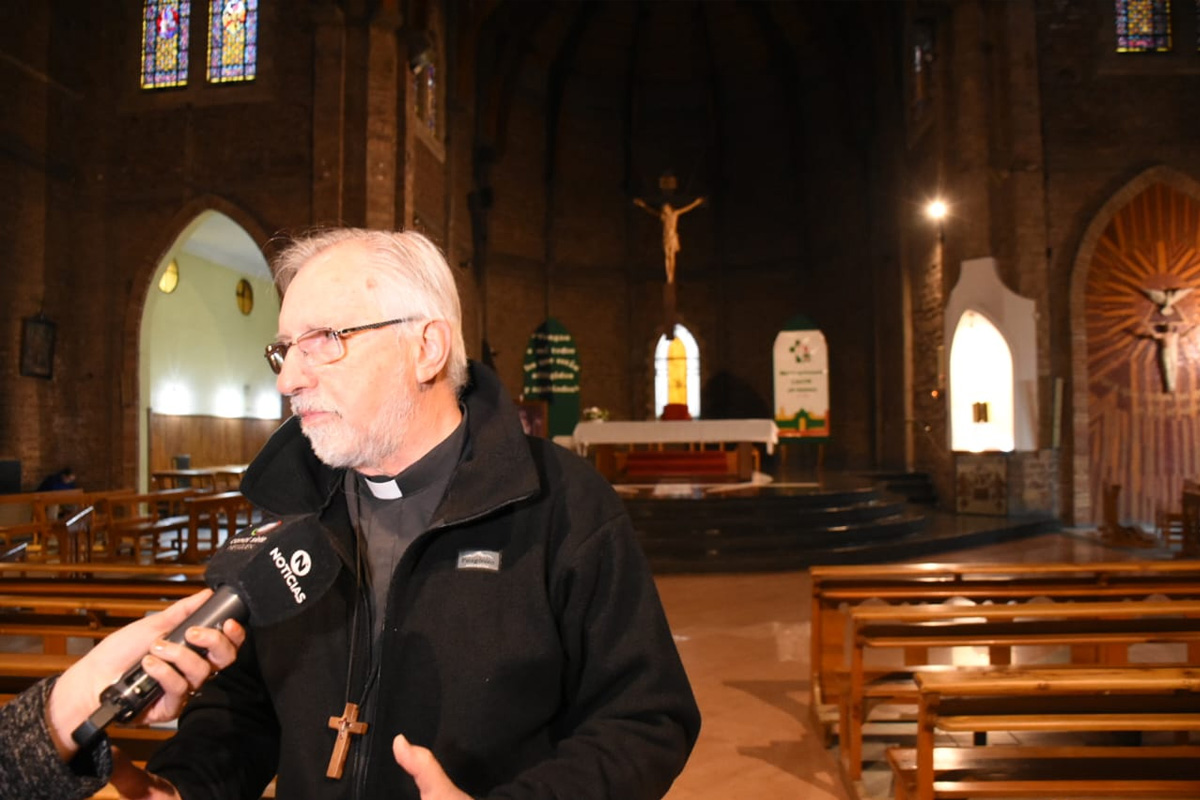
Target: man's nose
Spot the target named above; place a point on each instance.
(294, 375)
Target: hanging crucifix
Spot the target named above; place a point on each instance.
(669, 215)
(346, 725)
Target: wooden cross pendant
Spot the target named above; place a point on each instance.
(346, 725)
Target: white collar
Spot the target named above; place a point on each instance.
(385, 490)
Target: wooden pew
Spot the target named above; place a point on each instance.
(1107, 627)
(100, 581)
(1189, 520)
(26, 517)
(99, 569)
(838, 589)
(147, 523)
(1045, 700)
(199, 480)
(219, 516)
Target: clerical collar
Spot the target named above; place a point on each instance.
(437, 463)
(383, 488)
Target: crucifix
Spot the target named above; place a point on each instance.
(1168, 334)
(346, 725)
(669, 215)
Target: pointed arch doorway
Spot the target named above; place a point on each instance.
(205, 391)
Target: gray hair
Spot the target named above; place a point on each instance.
(410, 274)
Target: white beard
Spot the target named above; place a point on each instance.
(338, 444)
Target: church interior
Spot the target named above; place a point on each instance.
(966, 233)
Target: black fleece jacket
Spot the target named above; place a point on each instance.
(551, 676)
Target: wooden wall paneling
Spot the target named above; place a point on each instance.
(210, 441)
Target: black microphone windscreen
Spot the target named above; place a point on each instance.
(277, 568)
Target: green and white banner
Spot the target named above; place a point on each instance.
(801, 380)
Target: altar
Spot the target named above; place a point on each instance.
(719, 449)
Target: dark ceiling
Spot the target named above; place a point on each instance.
(688, 80)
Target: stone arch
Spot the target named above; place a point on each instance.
(157, 243)
(1083, 504)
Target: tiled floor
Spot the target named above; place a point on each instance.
(744, 640)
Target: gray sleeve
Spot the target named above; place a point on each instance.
(30, 768)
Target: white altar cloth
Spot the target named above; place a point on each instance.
(701, 431)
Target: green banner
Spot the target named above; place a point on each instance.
(552, 374)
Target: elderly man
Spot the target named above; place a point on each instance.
(494, 630)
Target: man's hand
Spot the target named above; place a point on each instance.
(426, 771)
(177, 668)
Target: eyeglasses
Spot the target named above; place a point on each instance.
(321, 345)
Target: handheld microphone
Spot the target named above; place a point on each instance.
(265, 574)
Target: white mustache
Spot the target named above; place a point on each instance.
(310, 408)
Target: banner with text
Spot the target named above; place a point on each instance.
(801, 380)
(552, 374)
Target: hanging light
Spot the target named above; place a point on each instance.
(170, 278)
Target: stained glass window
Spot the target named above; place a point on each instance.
(1143, 26)
(232, 40)
(425, 95)
(677, 372)
(165, 43)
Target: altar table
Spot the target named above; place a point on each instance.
(694, 431)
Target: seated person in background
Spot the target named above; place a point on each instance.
(63, 479)
(40, 761)
(494, 629)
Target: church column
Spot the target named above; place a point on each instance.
(970, 140)
(385, 92)
(329, 111)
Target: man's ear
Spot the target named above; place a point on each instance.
(434, 350)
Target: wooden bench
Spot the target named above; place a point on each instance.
(219, 516)
(103, 570)
(199, 480)
(143, 524)
(26, 517)
(1095, 631)
(1048, 700)
(1123, 772)
(109, 793)
(837, 589)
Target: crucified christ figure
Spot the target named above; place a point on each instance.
(1167, 334)
(670, 221)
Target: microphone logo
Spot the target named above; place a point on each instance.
(301, 563)
(291, 577)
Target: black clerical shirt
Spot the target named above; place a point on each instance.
(389, 526)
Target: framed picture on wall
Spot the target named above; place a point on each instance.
(534, 416)
(37, 347)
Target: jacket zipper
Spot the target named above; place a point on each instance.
(360, 760)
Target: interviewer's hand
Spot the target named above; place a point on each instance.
(177, 668)
(431, 779)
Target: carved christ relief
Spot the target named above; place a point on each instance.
(1167, 332)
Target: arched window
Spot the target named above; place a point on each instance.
(165, 43)
(425, 60)
(677, 372)
(232, 40)
(981, 387)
